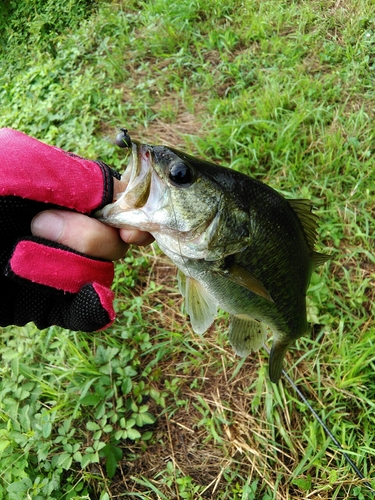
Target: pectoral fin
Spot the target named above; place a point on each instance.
(181, 280)
(246, 334)
(199, 304)
(243, 277)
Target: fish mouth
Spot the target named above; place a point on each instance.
(137, 176)
(138, 180)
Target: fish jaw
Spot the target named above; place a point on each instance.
(137, 176)
(139, 205)
(126, 211)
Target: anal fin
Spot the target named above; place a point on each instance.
(246, 334)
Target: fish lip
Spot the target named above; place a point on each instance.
(137, 176)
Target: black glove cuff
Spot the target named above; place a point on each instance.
(108, 175)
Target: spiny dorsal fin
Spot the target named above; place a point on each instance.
(309, 220)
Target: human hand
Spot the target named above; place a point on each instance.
(86, 234)
(46, 281)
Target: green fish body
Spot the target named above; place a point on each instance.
(238, 244)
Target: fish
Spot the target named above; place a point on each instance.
(238, 244)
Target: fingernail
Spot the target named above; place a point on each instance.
(48, 225)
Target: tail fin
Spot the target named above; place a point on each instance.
(277, 355)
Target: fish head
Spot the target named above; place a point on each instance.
(175, 197)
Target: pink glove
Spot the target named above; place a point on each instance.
(43, 281)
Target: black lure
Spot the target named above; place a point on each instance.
(123, 139)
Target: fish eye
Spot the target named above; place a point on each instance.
(181, 174)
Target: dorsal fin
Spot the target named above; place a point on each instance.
(309, 221)
(320, 258)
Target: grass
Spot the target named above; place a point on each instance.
(282, 91)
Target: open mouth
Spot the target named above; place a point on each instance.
(137, 176)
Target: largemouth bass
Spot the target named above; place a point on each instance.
(238, 244)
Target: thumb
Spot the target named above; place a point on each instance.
(80, 232)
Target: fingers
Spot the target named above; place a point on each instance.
(88, 235)
(82, 233)
(136, 237)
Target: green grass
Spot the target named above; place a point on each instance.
(282, 91)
